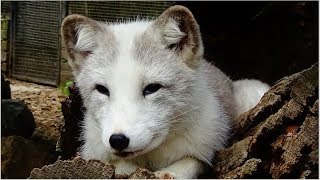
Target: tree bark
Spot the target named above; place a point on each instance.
(73, 112)
(278, 138)
(78, 168)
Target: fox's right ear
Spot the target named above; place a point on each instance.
(79, 35)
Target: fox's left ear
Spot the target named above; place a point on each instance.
(180, 32)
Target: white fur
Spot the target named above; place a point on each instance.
(172, 33)
(86, 38)
(176, 129)
(248, 93)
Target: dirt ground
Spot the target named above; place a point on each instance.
(45, 105)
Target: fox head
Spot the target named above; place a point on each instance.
(138, 79)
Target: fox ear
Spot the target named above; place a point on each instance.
(180, 32)
(79, 35)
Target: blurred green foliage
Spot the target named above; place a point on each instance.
(64, 87)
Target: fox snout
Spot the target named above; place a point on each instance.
(119, 141)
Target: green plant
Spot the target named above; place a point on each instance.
(64, 87)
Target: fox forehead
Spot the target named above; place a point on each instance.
(125, 70)
(137, 41)
(125, 33)
(137, 53)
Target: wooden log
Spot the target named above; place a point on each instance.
(73, 112)
(74, 169)
(79, 168)
(279, 137)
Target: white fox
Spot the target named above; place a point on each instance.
(152, 100)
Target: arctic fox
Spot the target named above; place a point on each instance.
(152, 100)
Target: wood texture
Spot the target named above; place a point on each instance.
(279, 137)
(74, 169)
(79, 168)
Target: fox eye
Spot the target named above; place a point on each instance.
(103, 90)
(151, 88)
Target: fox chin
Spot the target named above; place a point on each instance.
(152, 100)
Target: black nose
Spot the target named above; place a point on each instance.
(119, 141)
